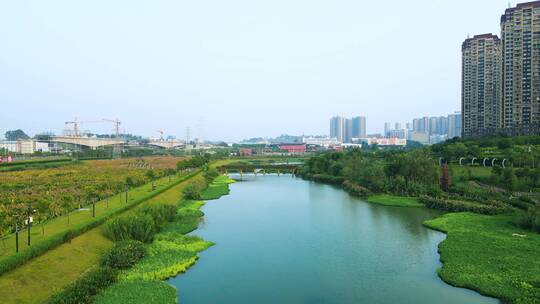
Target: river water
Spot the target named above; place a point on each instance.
(281, 239)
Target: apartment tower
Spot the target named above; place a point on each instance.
(520, 33)
(480, 85)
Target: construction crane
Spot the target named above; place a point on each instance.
(116, 123)
(75, 124)
(161, 135)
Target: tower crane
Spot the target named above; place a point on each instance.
(161, 135)
(116, 123)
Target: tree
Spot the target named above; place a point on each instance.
(16, 134)
(509, 179)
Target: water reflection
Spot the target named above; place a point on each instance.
(285, 240)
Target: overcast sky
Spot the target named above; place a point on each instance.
(232, 69)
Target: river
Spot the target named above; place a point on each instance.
(281, 239)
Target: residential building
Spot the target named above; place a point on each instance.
(520, 34)
(337, 125)
(455, 125)
(359, 127)
(480, 85)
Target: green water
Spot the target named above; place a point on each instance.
(286, 240)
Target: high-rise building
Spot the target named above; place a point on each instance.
(337, 126)
(359, 127)
(480, 85)
(387, 128)
(454, 125)
(520, 34)
(345, 129)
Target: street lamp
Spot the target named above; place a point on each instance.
(29, 221)
(127, 189)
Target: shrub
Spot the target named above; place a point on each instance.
(193, 190)
(355, 189)
(530, 219)
(211, 174)
(462, 206)
(123, 255)
(86, 287)
(140, 227)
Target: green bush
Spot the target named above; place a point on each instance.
(530, 219)
(138, 292)
(123, 255)
(194, 190)
(211, 174)
(141, 225)
(462, 206)
(356, 189)
(85, 288)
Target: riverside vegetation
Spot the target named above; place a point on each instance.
(133, 270)
(491, 245)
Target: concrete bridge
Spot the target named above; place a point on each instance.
(90, 142)
(253, 168)
(167, 144)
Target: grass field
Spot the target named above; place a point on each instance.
(171, 253)
(144, 292)
(491, 255)
(218, 188)
(459, 172)
(39, 278)
(43, 232)
(396, 201)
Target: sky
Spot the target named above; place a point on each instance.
(232, 69)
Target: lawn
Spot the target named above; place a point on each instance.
(491, 255)
(396, 201)
(62, 265)
(144, 292)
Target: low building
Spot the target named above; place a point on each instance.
(421, 137)
(245, 151)
(387, 142)
(293, 148)
(321, 141)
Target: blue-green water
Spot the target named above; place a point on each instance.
(286, 240)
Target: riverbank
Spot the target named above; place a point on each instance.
(171, 253)
(62, 265)
(485, 253)
(491, 255)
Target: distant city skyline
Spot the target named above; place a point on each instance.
(244, 68)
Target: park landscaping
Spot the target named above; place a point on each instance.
(493, 241)
(393, 200)
(491, 255)
(170, 253)
(64, 264)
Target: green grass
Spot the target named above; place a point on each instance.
(62, 265)
(462, 172)
(481, 253)
(396, 201)
(171, 253)
(138, 292)
(218, 188)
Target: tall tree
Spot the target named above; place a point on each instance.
(15, 135)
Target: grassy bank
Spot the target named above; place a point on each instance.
(172, 252)
(396, 201)
(62, 229)
(218, 188)
(62, 265)
(491, 255)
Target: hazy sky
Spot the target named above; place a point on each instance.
(233, 69)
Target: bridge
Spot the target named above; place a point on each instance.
(254, 168)
(90, 142)
(167, 144)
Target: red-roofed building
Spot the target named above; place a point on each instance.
(293, 148)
